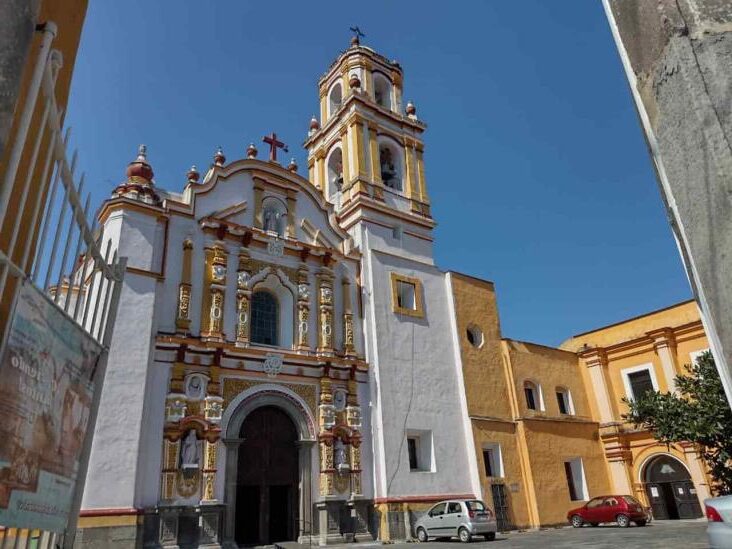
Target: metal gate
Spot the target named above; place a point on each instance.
(500, 507)
(71, 275)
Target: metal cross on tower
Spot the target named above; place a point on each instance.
(274, 144)
(357, 32)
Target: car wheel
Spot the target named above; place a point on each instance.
(577, 521)
(464, 535)
(623, 521)
(421, 535)
(594, 524)
(640, 523)
(490, 536)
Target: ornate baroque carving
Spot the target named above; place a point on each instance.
(235, 386)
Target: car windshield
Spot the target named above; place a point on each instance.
(475, 505)
(631, 500)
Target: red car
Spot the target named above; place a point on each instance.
(620, 509)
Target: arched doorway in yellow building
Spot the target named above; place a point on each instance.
(669, 488)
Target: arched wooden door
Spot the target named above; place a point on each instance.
(670, 489)
(267, 478)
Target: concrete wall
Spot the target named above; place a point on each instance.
(677, 55)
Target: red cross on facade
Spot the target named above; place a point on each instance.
(274, 144)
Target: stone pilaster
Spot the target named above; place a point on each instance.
(596, 362)
(664, 342)
(325, 312)
(183, 316)
(214, 284)
(303, 309)
(243, 299)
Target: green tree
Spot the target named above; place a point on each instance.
(698, 412)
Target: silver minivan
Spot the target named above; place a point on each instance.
(463, 518)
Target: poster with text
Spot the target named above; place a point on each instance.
(47, 370)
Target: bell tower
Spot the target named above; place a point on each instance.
(365, 153)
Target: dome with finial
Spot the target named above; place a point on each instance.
(193, 175)
(139, 183)
(140, 167)
(355, 41)
(314, 124)
(219, 157)
(355, 81)
(292, 166)
(251, 151)
(411, 109)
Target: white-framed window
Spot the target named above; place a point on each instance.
(639, 379)
(492, 460)
(564, 401)
(574, 470)
(420, 451)
(533, 396)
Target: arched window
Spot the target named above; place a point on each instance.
(264, 328)
(274, 216)
(532, 392)
(335, 171)
(564, 401)
(390, 162)
(335, 98)
(382, 90)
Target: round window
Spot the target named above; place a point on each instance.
(475, 336)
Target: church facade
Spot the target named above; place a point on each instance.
(289, 363)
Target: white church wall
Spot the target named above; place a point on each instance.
(151, 449)
(307, 208)
(228, 192)
(413, 374)
(398, 242)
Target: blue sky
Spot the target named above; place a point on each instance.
(535, 162)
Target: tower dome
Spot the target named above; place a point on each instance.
(139, 183)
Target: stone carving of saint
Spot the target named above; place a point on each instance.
(272, 220)
(242, 278)
(303, 292)
(189, 451)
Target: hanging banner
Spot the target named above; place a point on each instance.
(47, 369)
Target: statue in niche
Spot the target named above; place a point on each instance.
(340, 456)
(388, 171)
(273, 220)
(189, 451)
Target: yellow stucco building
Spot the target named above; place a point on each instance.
(547, 422)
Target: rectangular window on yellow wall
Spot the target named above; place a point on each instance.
(406, 295)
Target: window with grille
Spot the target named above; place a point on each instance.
(640, 383)
(264, 326)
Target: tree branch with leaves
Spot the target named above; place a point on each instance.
(698, 412)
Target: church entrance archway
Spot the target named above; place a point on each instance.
(670, 490)
(267, 478)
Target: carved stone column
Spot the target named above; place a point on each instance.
(170, 467)
(243, 299)
(214, 283)
(325, 312)
(209, 471)
(183, 317)
(353, 420)
(348, 335)
(303, 309)
(326, 421)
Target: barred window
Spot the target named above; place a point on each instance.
(264, 318)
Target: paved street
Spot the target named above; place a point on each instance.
(657, 535)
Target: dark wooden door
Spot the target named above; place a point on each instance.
(267, 478)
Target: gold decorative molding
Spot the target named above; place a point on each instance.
(236, 386)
